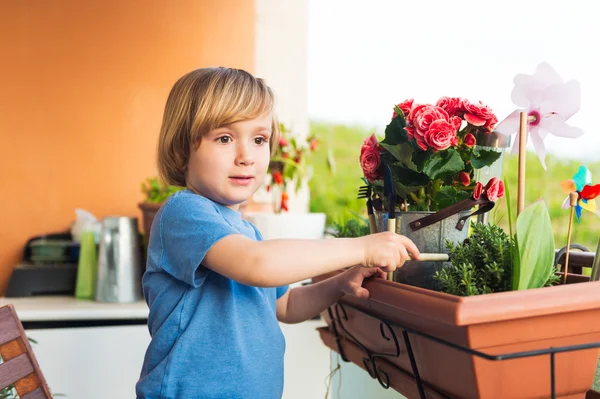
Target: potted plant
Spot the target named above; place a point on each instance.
(155, 193)
(501, 297)
(427, 160)
(289, 172)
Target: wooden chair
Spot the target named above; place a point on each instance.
(19, 365)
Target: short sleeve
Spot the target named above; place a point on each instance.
(281, 291)
(189, 227)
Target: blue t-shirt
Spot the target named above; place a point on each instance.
(211, 336)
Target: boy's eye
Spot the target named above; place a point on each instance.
(259, 140)
(224, 140)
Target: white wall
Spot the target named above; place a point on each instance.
(281, 59)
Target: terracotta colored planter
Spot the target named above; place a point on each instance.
(495, 324)
(148, 212)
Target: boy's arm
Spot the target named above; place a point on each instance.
(304, 303)
(274, 263)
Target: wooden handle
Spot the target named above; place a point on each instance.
(372, 224)
(432, 258)
(522, 155)
(573, 197)
(573, 202)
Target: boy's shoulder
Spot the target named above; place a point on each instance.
(186, 205)
(186, 198)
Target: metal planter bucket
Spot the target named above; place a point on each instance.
(430, 239)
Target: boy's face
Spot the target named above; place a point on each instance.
(231, 162)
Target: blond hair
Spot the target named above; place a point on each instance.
(201, 101)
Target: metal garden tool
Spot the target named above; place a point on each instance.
(366, 192)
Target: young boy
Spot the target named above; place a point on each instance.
(216, 291)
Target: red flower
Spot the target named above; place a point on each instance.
(440, 135)
(494, 189)
(405, 106)
(469, 140)
(456, 121)
(282, 142)
(370, 159)
(464, 178)
(452, 105)
(284, 201)
(313, 144)
(477, 191)
(422, 116)
(479, 114)
(278, 177)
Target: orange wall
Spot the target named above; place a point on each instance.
(82, 90)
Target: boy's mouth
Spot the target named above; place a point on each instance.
(241, 180)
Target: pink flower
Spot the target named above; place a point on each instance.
(464, 178)
(477, 191)
(370, 159)
(405, 106)
(456, 121)
(452, 105)
(469, 140)
(479, 114)
(314, 144)
(494, 189)
(282, 142)
(422, 116)
(440, 134)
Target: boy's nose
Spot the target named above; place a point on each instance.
(244, 155)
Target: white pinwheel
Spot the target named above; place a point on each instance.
(549, 103)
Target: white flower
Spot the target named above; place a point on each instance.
(549, 103)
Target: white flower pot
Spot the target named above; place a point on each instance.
(288, 225)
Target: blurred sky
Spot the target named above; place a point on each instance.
(366, 56)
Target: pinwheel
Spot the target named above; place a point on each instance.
(581, 183)
(548, 103)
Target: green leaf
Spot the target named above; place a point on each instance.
(395, 133)
(402, 153)
(419, 158)
(409, 177)
(443, 163)
(449, 195)
(483, 158)
(535, 243)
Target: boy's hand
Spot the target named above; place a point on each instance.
(351, 280)
(387, 250)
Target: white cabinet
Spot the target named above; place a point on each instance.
(91, 363)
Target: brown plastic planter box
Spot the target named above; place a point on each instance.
(494, 324)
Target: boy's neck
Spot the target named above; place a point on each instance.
(235, 207)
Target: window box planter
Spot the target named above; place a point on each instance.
(493, 324)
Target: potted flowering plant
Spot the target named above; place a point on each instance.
(288, 172)
(432, 153)
(289, 166)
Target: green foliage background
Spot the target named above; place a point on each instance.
(335, 193)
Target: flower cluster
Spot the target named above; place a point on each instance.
(431, 151)
(289, 164)
(493, 190)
